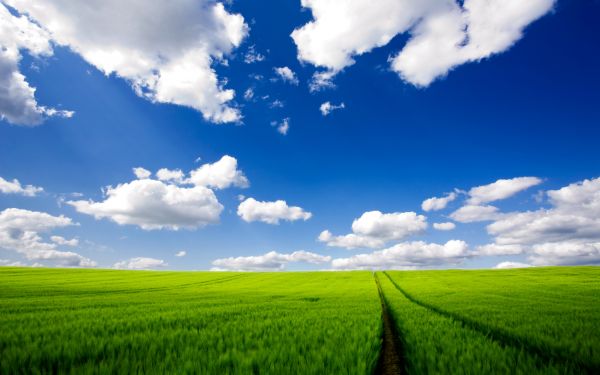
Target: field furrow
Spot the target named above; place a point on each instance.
(434, 343)
(551, 312)
(390, 357)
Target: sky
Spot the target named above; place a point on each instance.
(311, 135)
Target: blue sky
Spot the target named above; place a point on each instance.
(528, 108)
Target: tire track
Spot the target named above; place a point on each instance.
(390, 358)
(502, 338)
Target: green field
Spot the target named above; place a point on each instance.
(538, 321)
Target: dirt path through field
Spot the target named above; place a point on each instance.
(390, 359)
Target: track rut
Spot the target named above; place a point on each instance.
(390, 358)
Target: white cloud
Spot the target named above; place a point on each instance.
(181, 253)
(496, 249)
(326, 108)
(167, 204)
(321, 81)
(284, 126)
(565, 252)
(475, 208)
(15, 187)
(436, 204)
(10, 263)
(407, 255)
(270, 212)
(64, 242)
(392, 226)
(152, 204)
(219, 175)
(271, 261)
(276, 104)
(544, 226)
(252, 55)
(249, 94)
(343, 29)
(444, 226)
(374, 228)
(286, 74)
(470, 214)
(140, 263)
(500, 189)
(171, 175)
(507, 265)
(20, 231)
(350, 241)
(141, 173)
(444, 33)
(578, 198)
(455, 35)
(566, 233)
(164, 50)
(18, 104)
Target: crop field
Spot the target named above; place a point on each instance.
(81, 321)
(529, 321)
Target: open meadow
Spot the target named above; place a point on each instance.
(535, 321)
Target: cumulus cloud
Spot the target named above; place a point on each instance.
(507, 265)
(18, 104)
(171, 202)
(170, 175)
(10, 263)
(21, 230)
(220, 174)
(140, 263)
(59, 240)
(407, 255)
(501, 189)
(350, 241)
(576, 252)
(270, 212)
(444, 226)
(286, 75)
(497, 249)
(181, 253)
(436, 204)
(326, 108)
(141, 173)
(444, 33)
(15, 187)
(566, 233)
(471, 214)
(164, 51)
(271, 261)
(374, 229)
(152, 204)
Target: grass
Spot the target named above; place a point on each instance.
(82, 321)
(534, 321)
(436, 344)
(552, 311)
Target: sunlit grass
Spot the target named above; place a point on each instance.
(84, 321)
(554, 311)
(435, 344)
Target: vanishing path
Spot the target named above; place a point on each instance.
(502, 338)
(390, 359)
